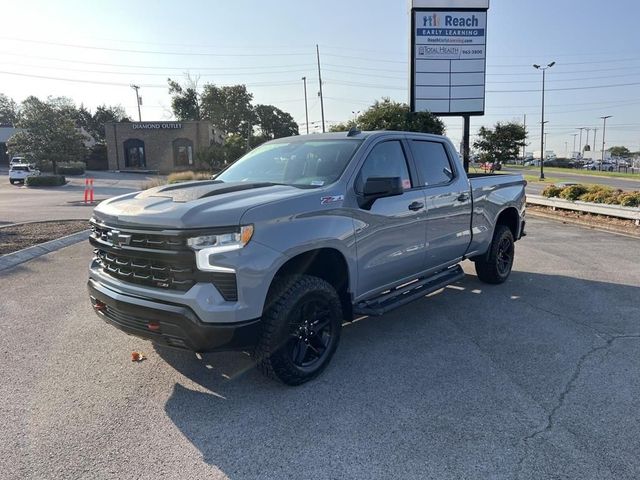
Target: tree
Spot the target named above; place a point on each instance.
(274, 123)
(9, 112)
(50, 131)
(390, 115)
(185, 100)
(93, 124)
(501, 143)
(228, 108)
(619, 151)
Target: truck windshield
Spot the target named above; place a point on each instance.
(312, 163)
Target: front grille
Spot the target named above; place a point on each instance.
(136, 238)
(159, 259)
(144, 271)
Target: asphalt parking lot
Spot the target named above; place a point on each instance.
(536, 378)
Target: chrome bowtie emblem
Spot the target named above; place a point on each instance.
(118, 239)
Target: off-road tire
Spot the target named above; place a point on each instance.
(495, 266)
(286, 297)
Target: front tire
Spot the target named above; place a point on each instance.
(495, 266)
(301, 329)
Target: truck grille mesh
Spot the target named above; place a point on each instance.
(154, 260)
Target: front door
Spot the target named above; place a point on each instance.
(390, 236)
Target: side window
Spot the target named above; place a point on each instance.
(385, 160)
(432, 162)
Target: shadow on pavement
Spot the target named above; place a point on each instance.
(445, 387)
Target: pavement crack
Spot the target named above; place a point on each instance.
(550, 420)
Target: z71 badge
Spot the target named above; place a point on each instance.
(331, 199)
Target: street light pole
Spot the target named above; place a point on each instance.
(574, 143)
(604, 130)
(306, 109)
(542, 122)
(136, 88)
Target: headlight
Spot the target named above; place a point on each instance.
(206, 245)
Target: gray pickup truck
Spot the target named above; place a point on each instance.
(296, 237)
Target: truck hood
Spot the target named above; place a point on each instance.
(190, 204)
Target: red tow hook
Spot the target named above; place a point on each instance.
(153, 326)
(99, 306)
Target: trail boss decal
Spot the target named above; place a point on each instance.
(331, 199)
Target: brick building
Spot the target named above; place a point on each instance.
(162, 146)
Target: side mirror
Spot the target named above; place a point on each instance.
(379, 187)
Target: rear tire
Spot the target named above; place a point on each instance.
(301, 329)
(11, 182)
(495, 266)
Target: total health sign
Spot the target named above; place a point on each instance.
(448, 56)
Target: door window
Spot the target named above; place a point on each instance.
(387, 159)
(432, 162)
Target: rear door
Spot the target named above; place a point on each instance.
(390, 236)
(448, 201)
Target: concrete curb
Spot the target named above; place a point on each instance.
(16, 258)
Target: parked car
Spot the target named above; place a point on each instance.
(559, 162)
(590, 166)
(18, 161)
(18, 173)
(296, 237)
(607, 167)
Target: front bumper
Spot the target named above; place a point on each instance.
(169, 324)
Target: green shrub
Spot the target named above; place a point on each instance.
(630, 199)
(45, 181)
(188, 176)
(64, 168)
(71, 168)
(551, 191)
(572, 192)
(598, 194)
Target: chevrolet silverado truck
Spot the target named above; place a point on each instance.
(296, 237)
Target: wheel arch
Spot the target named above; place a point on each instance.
(327, 263)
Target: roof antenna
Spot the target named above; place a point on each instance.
(353, 131)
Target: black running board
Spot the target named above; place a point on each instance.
(408, 293)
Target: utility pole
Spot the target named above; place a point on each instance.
(306, 108)
(138, 100)
(587, 142)
(604, 130)
(320, 93)
(574, 143)
(580, 142)
(524, 143)
(595, 130)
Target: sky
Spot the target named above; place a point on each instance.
(92, 51)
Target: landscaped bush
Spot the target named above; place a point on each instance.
(630, 199)
(71, 168)
(188, 176)
(45, 181)
(551, 191)
(594, 194)
(64, 168)
(572, 192)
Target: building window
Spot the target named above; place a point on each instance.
(134, 156)
(183, 152)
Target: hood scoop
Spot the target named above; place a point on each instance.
(189, 191)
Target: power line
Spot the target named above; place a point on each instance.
(98, 82)
(156, 52)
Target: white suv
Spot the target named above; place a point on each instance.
(19, 173)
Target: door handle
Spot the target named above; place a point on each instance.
(416, 206)
(463, 197)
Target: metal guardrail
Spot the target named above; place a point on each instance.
(629, 213)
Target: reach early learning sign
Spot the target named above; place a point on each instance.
(448, 58)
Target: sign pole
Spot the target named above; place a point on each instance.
(465, 141)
